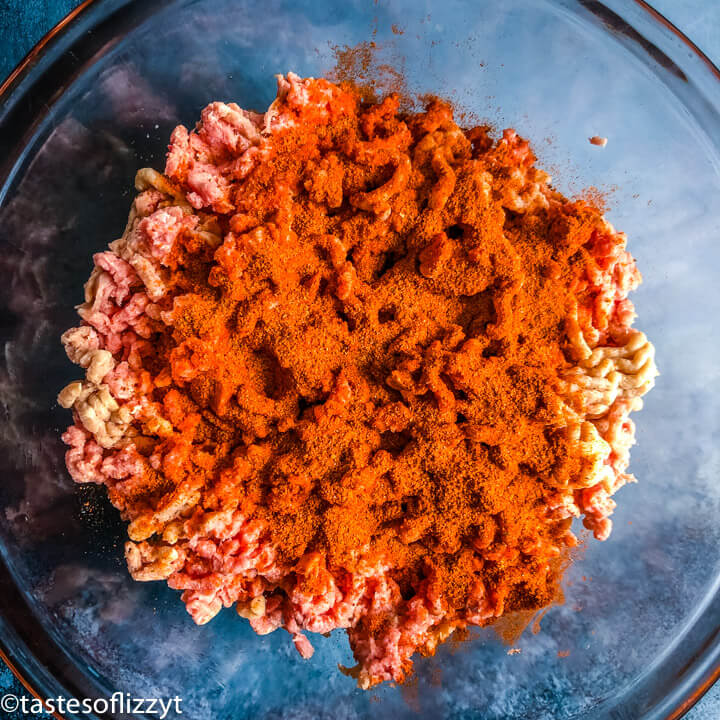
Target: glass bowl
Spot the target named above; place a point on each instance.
(637, 634)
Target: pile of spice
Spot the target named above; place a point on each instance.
(356, 367)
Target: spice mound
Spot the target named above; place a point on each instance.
(351, 366)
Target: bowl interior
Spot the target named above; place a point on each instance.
(558, 76)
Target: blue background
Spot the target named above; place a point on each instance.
(24, 22)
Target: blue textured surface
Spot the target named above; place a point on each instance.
(23, 22)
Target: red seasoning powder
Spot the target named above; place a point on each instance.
(349, 373)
